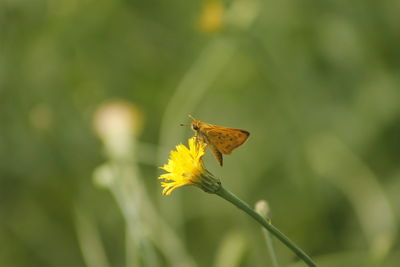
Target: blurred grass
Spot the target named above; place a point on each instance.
(296, 74)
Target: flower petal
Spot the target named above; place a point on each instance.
(184, 167)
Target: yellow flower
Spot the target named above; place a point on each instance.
(186, 167)
(212, 16)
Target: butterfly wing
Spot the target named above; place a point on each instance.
(217, 155)
(221, 140)
(225, 140)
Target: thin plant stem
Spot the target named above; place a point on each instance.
(263, 209)
(271, 249)
(227, 195)
(89, 240)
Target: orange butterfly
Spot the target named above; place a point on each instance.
(222, 140)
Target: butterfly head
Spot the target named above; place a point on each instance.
(195, 125)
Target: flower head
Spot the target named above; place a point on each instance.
(212, 16)
(116, 122)
(186, 167)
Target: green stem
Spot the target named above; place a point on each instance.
(270, 246)
(227, 195)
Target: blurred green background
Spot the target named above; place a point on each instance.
(92, 94)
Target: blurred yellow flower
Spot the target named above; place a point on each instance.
(186, 167)
(212, 16)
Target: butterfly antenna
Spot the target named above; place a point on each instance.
(190, 116)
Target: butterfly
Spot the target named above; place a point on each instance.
(221, 140)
